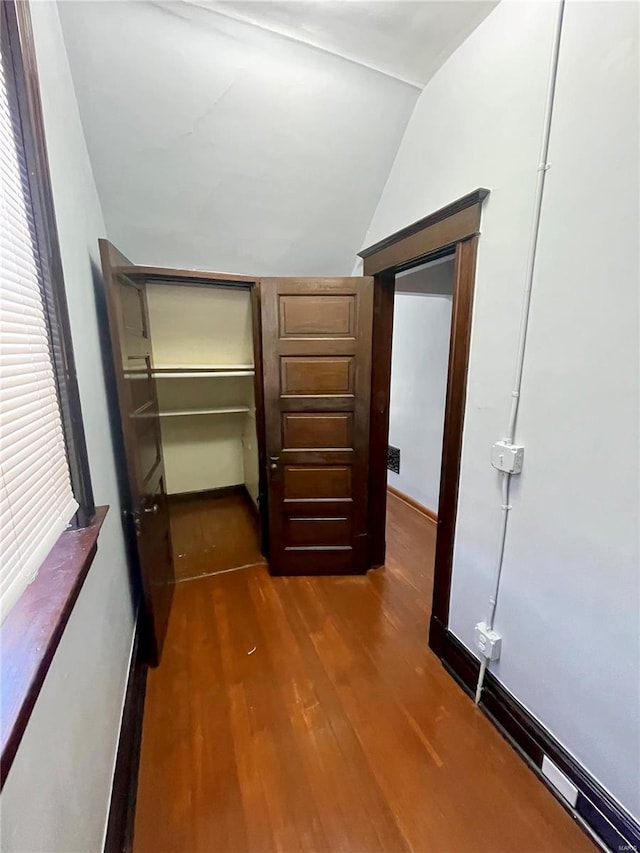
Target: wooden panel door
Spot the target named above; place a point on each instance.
(316, 350)
(147, 511)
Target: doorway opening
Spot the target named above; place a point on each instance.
(420, 354)
(423, 297)
(204, 367)
(451, 232)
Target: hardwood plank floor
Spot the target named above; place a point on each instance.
(213, 534)
(308, 714)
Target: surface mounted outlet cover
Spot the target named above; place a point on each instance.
(393, 459)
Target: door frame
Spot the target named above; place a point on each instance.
(202, 278)
(451, 230)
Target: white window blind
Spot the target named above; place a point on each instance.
(36, 501)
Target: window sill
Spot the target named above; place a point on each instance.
(31, 632)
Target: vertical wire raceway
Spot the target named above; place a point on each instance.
(542, 170)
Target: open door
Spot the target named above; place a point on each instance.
(316, 350)
(147, 511)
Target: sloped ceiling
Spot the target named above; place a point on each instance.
(219, 144)
(407, 39)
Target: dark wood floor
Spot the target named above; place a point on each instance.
(213, 534)
(308, 714)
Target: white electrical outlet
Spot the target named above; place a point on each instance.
(488, 642)
(507, 457)
(563, 785)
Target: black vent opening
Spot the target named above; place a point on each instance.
(393, 459)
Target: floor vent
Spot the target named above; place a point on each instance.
(393, 459)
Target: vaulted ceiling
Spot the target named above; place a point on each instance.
(250, 137)
(407, 39)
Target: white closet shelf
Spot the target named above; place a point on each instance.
(181, 371)
(220, 410)
(201, 366)
(187, 374)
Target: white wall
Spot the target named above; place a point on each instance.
(568, 606)
(421, 333)
(219, 145)
(200, 325)
(57, 793)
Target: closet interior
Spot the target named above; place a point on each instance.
(203, 362)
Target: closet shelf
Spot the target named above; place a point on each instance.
(220, 410)
(201, 366)
(182, 371)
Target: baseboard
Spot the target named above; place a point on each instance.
(254, 509)
(595, 808)
(437, 636)
(221, 492)
(423, 510)
(119, 835)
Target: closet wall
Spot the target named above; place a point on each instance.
(203, 357)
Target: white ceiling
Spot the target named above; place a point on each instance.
(407, 39)
(432, 279)
(218, 144)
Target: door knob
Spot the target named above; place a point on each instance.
(274, 462)
(153, 509)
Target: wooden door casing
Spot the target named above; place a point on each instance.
(451, 230)
(316, 349)
(147, 511)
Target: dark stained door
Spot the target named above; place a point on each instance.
(316, 350)
(147, 511)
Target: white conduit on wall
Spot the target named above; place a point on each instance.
(524, 326)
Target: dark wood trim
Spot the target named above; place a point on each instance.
(261, 433)
(20, 45)
(31, 632)
(468, 200)
(414, 504)
(437, 636)
(382, 338)
(120, 824)
(447, 226)
(595, 807)
(166, 275)
(465, 271)
(464, 251)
